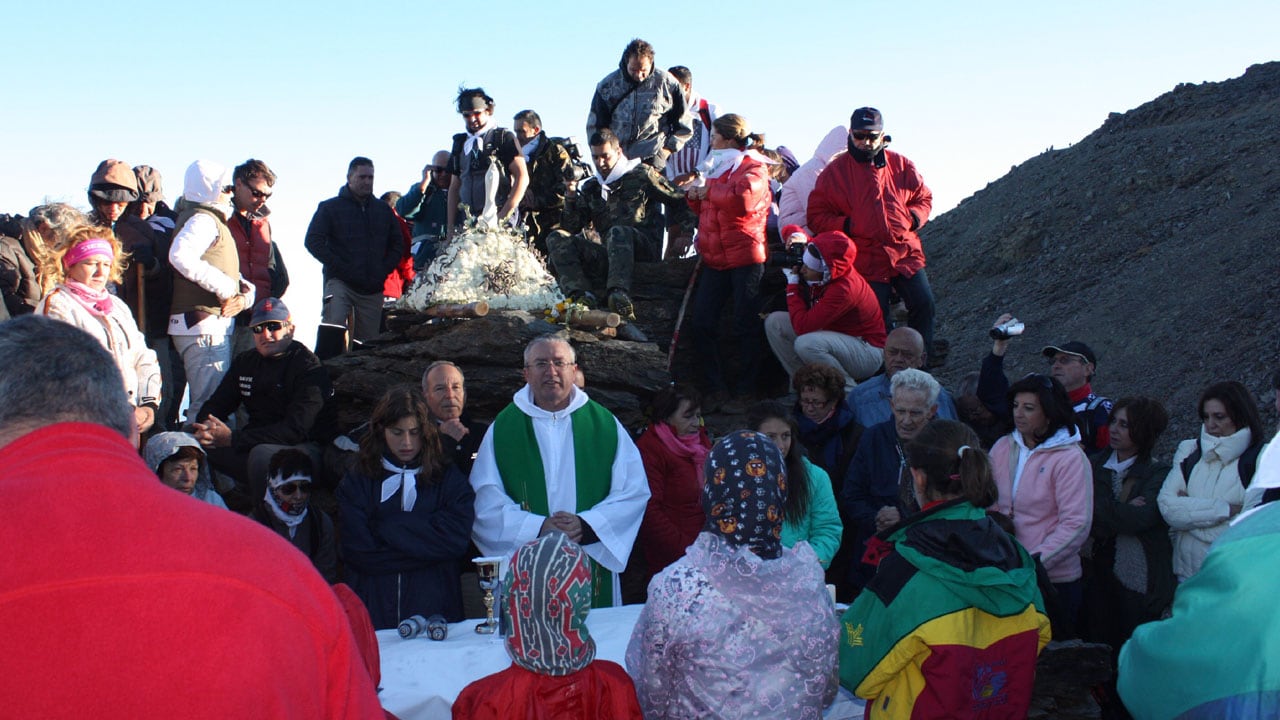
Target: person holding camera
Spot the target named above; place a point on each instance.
(832, 314)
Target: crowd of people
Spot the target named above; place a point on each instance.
(963, 531)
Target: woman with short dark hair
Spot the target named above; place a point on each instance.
(673, 448)
(1046, 488)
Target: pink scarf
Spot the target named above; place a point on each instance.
(693, 446)
(98, 302)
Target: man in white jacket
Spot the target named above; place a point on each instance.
(556, 461)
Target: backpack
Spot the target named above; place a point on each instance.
(1246, 465)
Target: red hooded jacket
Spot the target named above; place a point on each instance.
(731, 221)
(846, 304)
(874, 207)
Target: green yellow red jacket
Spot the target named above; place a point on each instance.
(951, 624)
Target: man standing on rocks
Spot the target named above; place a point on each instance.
(878, 198)
(426, 206)
(357, 239)
(550, 171)
(566, 464)
(623, 202)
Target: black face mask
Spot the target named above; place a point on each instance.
(866, 157)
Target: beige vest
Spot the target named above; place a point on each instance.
(188, 296)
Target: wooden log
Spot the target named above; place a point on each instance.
(470, 310)
(594, 319)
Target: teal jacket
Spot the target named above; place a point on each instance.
(1216, 656)
(821, 527)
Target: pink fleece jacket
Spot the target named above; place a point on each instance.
(1052, 508)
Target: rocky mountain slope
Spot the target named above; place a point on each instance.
(1152, 239)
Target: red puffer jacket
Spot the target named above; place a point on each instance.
(731, 220)
(254, 249)
(874, 207)
(846, 304)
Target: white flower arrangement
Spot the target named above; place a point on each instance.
(497, 265)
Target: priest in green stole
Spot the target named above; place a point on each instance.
(555, 460)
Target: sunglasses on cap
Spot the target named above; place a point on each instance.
(292, 488)
(271, 325)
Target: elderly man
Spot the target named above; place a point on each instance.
(445, 389)
(643, 105)
(100, 555)
(566, 464)
(357, 239)
(877, 491)
(285, 390)
(903, 349)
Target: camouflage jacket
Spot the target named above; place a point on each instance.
(633, 201)
(549, 170)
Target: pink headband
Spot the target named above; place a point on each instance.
(93, 247)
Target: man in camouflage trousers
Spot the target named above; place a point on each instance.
(550, 171)
(621, 202)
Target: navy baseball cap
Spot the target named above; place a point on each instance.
(268, 310)
(866, 118)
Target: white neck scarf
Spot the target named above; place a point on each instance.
(291, 521)
(474, 138)
(400, 477)
(621, 168)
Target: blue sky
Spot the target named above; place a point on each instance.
(967, 89)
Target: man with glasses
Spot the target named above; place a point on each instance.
(879, 199)
(903, 349)
(556, 461)
(286, 508)
(252, 181)
(284, 389)
(1073, 364)
(425, 205)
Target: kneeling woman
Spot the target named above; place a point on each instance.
(405, 518)
(952, 622)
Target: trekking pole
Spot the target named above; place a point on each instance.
(684, 305)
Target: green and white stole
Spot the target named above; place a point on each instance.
(595, 445)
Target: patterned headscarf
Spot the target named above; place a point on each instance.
(744, 493)
(548, 596)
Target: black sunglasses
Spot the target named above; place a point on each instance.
(865, 135)
(273, 326)
(258, 194)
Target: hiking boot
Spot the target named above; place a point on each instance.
(620, 303)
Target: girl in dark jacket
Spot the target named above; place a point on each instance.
(405, 518)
